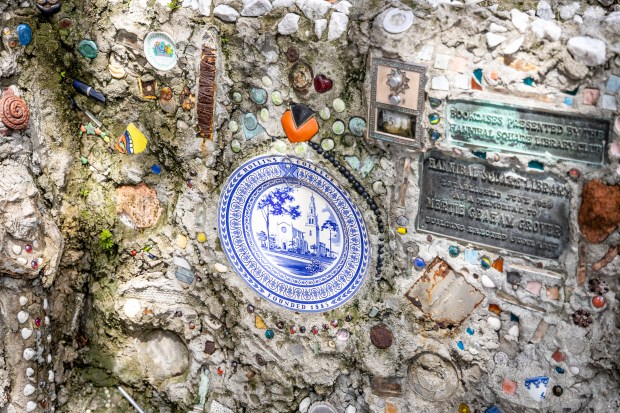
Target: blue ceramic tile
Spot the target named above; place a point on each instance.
(613, 84)
(493, 409)
(281, 221)
(537, 387)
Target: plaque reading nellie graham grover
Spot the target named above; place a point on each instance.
(495, 207)
(527, 131)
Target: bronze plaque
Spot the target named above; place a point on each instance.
(535, 132)
(500, 208)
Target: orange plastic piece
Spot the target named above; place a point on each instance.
(301, 133)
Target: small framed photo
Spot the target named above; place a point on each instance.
(396, 102)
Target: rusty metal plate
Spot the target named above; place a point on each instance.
(521, 130)
(499, 208)
(444, 295)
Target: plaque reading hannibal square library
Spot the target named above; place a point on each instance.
(501, 208)
(521, 130)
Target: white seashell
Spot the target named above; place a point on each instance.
(50, 376)
(29, 353)
(49, 358)
(22, 260)
(486, 281)
(29, 390)
(23, 300)
(117, 71)
(220, 267)
(494, 323)
(31, 406)
(213, 323)
(16, 249)
(29, 372)
(22, 317)
(45, 304)
(514, 331)
(26, 333)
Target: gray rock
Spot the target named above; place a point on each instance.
(588, 50)
(544, 10)
(255, 8)
(313, 9)
(289, 24)
(568, 11)
(337, 25)
(225, 13)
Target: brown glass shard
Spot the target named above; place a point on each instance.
(206, 92)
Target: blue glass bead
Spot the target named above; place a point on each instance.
(434, 118)
(156, 169)
(470, 331)
(419, 262)
(434, 134)
(485, 262)
(559, 369)
(454, 251)
(24, 34)
(528, 81)
(460, 345)
(269, 334)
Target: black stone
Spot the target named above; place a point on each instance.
(513, 277)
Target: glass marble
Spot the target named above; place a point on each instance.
(357, 126)
(454, 251)
(434, 118)
(258, 95)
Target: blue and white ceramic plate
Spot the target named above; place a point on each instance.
(160, 50)
(292, 234)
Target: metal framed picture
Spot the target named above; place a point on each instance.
(396, 102)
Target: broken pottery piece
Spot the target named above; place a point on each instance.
(442, 294)
(537, 387)
(138, 205)
(599, 213)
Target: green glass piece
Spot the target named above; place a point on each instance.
(88, 49)
(454, 251)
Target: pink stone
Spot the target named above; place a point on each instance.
(614, 149)
(533, 287)
(509, 386)
(590, 96)
(458, 64)
(617, 125)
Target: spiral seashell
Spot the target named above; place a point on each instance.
(13, 111)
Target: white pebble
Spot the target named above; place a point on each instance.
(49, 358)
(494, 39)
(23, 300)
(29, 390)
(31, 406)
(22, 317)
(494, 323)
(22, 260)
(514, 46)
(514, 331)
(49, 338)
(486, 281)
(220, 267)
(45, 304)
(29, 353)
(496, 28)
(26, 333)
(304, 405)
(50, 376)
(574, 369)
(16, 249)
(47, 321)
(29, 372)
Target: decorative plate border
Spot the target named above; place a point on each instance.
(233, 230)
(372, 108)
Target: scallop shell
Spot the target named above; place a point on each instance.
(117, 71)
(13, 111)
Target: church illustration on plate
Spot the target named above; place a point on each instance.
(304, 248)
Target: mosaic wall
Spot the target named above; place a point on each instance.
(317, 206)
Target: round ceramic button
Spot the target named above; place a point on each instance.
(397, 20)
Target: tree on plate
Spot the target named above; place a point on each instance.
(333, 230)
(275, 203)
